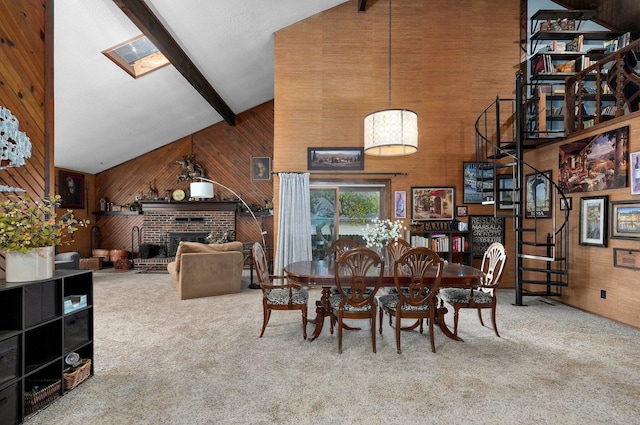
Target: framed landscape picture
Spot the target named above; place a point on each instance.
(596, 163)
(478, 182)
(337, 159)
(432, 203)
(625, 220)
(593, 220)
(538, 195)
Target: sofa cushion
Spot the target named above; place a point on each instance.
(201, 248)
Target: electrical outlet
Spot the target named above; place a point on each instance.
(603, 293)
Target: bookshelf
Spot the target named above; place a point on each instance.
(558, 49)
(451, 245)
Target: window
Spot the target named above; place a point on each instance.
(341, 209)
(137, 56)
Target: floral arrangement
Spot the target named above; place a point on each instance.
(381, 232)
(27, 224)
(220, 237)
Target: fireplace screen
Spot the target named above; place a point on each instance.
(176, 238)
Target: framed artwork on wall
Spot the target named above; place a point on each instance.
(400, 200)
(260, 168)
(432, 203)
(625, 220)
(538, 195)
(485, 230)
(565, 204)
(477, 182)
(593, 221)
(595, 163)
(345, 159)
(635, 173)
(71, 190)
(461, 211)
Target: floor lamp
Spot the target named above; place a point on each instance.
(204, 189)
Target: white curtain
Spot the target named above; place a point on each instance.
(294, 221)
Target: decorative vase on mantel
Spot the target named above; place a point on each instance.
(35, 264)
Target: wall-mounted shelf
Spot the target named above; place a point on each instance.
(117, 212)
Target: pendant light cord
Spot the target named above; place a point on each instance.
(389, 54)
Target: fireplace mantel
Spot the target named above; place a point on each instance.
(152, 206)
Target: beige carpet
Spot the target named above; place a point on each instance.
(159, 360)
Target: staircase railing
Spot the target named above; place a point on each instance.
(541, 229)
(617, 74)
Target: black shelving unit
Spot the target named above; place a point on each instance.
(451, 245)
(36, 334)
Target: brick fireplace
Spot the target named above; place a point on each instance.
(167, 223)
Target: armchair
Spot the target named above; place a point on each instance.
(202, 270)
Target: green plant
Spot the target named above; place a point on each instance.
(27, 224)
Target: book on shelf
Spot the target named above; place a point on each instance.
(575, 45)
(566, 67)
(617, 43)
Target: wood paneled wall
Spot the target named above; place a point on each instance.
(225, 152)
(591, 268)
(25, 43)
(449, 62)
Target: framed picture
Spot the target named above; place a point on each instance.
(626, 258)
(485, 230)
(565, 204)
(432, 203)
(260, 168)
(347, 159)
(71, 190)
(595, 163)
(593, 220)
(400, 204)
(461, 211)
(635, 173)
(538, 195)
(625, 220)
(478, 182)
(505, 191)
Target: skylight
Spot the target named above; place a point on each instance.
(137, 56)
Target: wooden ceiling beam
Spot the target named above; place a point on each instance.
(146, 21)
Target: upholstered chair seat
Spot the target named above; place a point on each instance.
(281, 296)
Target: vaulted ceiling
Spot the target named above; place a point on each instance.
(104, 117)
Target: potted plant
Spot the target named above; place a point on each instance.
(29, 232)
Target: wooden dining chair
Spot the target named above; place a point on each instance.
(395, 250)
(484, 296)
(358, 275)
(285, 296)
(416, 289)
(342, 245)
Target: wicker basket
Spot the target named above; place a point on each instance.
(48, 392)
(72, 379)
(102, 253)
(118, 254)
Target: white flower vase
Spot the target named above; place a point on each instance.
(35, 264)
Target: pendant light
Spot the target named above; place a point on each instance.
(391, 132)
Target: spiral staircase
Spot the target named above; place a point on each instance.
(541, 228)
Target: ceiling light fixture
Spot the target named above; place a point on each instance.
(391, 132)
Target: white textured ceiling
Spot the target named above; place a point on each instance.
(104, 117)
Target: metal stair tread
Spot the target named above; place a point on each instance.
(538, 270)
(544, 282)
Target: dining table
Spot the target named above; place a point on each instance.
(321, 273)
